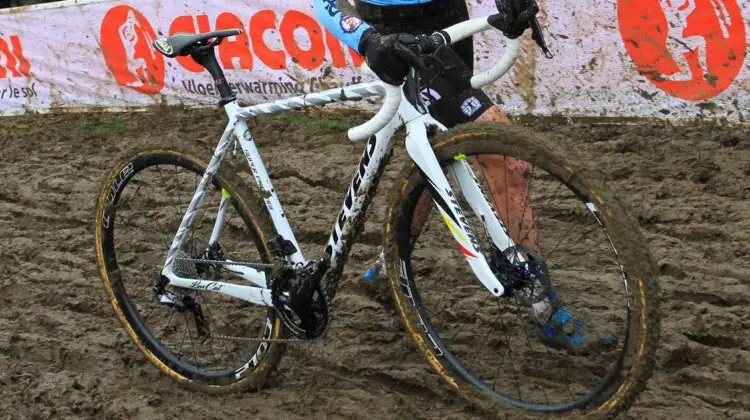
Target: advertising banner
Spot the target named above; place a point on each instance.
(676, 59)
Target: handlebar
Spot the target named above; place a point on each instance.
(445, 37)
(389, 109)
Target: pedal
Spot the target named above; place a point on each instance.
(281, 247)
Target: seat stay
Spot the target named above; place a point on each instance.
(199, 195)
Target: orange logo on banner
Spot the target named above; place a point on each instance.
(691, 49)
(126, 38)
(15, 64)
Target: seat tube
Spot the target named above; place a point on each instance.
(219, 224)
(273, 204)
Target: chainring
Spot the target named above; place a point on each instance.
(299, 300)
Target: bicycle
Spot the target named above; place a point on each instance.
(267, 272)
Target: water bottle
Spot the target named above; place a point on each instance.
(375, 272)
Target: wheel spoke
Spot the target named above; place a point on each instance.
(192, 343)
(163, 230)
(484, 343)
(528, 341)
(166, 327)
(177, 209)
(581, 236)
(510, 354)
(525, 202)
(223, 341)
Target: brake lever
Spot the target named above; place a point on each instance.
(538, 37)
(424, 46)
(412, 86)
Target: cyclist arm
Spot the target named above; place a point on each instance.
(346, 27)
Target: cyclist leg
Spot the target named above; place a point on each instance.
(509, 189)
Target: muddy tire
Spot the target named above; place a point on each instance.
(643, 325)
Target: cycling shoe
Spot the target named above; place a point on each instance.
(566, 332)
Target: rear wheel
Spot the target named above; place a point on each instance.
(209, 341)
(493, 350)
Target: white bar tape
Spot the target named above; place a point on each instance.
(367, 71)
(382, 118)
(512, 50)
(468, 28)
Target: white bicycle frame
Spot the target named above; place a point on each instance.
(378, 132)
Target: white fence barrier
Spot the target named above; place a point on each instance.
(629, 58)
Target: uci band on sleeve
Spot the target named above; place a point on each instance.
(350, 29)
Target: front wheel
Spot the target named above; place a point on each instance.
(584, 341)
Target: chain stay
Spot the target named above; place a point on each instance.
(256, 339)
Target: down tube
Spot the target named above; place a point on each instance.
(357, 199)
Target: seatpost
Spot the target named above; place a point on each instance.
(206, 57)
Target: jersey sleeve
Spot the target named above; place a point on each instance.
(347, 28)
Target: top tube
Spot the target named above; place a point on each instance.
(348, 93)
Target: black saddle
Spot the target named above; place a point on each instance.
(183, 43)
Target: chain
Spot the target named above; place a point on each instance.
(218, 262)
(282, 340)
(276, 340)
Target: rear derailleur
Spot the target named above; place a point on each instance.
(186, 302)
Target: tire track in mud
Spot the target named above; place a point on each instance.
(63, 353)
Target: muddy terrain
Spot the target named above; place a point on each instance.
(63, 354)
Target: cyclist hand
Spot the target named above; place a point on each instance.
(514, 16)
(388, 58)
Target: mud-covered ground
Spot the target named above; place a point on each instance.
(63, 354)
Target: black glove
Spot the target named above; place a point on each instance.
(514, 16)
(388, 58)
